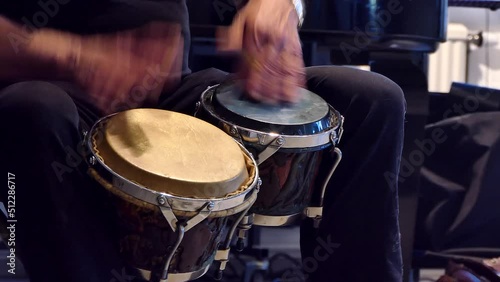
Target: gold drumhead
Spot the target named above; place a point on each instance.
(174, 153)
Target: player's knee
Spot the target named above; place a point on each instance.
(36, 103)
(389, 97)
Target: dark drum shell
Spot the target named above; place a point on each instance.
(146, 238)
(288, 181)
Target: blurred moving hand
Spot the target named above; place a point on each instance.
(119, 71)
(266, 34)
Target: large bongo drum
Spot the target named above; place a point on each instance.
(180, 187)
(288, 141)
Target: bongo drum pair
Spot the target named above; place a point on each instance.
(182, 185)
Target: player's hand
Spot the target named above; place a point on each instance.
(265, 33)
(124, 70)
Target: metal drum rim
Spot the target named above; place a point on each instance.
(213, 88)
(332, 130)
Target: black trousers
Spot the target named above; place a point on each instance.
(63, 230)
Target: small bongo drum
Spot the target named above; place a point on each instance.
(288, 142)
(175, 180)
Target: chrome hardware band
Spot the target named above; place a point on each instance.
(290, 141)
(242, 134)
(178, 277)
(313, 212)
(267, 220)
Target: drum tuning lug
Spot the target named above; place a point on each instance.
(161, 200)
(92, 160)
(233, 131)
(259, 183)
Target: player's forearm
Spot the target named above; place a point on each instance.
(37, 55)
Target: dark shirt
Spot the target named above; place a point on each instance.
(98, 16)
